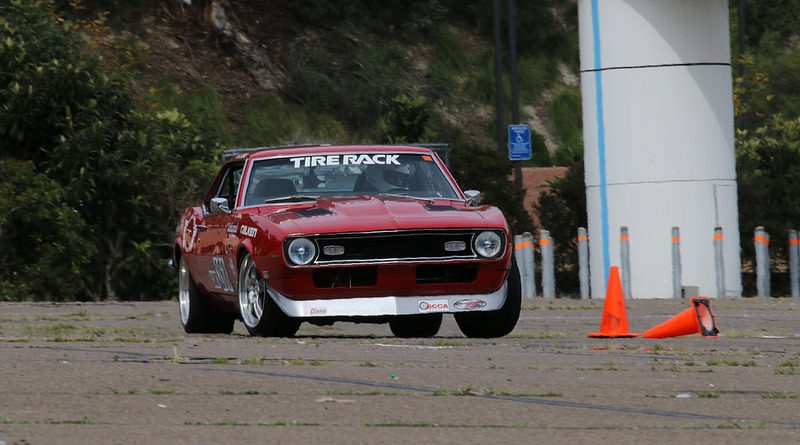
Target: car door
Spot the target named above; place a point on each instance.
(216, 242)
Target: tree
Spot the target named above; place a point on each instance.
(130, 179)
(43, 248)
(490, 172)
(126, 172)
(49, 85)
(407, 120)
(562, 210)
(768, 179)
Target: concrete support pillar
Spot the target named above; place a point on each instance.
(658, 138)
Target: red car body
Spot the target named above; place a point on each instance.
(376, 254)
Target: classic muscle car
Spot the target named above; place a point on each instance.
(321, 234)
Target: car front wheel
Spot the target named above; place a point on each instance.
(260, 314)
(493, 324)
(197, 315)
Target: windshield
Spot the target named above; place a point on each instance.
(293, 178)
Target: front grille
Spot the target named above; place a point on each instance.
(394, 246)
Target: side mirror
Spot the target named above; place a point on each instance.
(218, 205)
(473, 197)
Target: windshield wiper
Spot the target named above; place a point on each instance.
(292, 198)
(398, 195)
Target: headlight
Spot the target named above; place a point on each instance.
(488, 244)
(301, 251)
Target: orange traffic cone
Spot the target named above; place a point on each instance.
(697, 319)
(615, 321)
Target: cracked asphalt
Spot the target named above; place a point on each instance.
(108, 373)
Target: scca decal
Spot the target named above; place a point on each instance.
(433, 306)
(319, 161)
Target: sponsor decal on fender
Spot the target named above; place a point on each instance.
(223, 280)
(350, 159)
(434, 306)
(232, 227)
(189, 233)
(318, 311)
(248, 231)
(469, 305)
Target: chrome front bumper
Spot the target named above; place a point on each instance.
(377, 306)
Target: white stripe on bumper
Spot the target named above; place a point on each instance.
(405, 305)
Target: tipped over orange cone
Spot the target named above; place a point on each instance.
(615, 320)
(697, 319)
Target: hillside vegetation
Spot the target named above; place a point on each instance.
(115, 113)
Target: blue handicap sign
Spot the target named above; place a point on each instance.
(519, 142)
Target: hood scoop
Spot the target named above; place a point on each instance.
(289, 215)
(439, 208)
(314, 211)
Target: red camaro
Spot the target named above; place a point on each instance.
(321, 234)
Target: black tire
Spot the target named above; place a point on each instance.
(260, 314)
(196, 314)
(498, 323)
(410, 326)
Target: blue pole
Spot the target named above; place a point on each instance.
(601, 138)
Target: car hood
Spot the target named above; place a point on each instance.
(376, 213)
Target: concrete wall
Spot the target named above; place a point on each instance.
(659, 140)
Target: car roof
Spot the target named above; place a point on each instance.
(268, 152)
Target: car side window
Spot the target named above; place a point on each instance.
(229, 187)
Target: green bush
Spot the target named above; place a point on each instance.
(203, 107)
(544, 26)
(407, 121)
(481, 85)
(274, 121)
(351, 82)
(536, 74)
(44, 249)
(764, 17)
(409, 16)
(450, 65)
(566, 117)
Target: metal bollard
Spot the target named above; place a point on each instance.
(760, 243)
(767, 264)
(527, 260)
(625, 261)
(794, 263)
(719, 264)
(583, 262)
(519, 246)
(676, 263)
(548, 266)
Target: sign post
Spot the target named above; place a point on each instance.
(519, 142)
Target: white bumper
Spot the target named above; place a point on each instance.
(376, 306)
